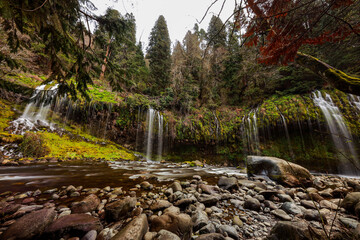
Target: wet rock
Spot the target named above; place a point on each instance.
(247, 183)
(90, 235)
(279, 170)
(70, 189)
(211, 236)
(74, 224)
(281, 214)
(176, 186)
(252, 204)
(326, 193)
(30, 225)
(185, 202)
(159, 205)
(309, 204)
(9, 209)
(135, 230)
(268, 193)
(180, 224)
(228, 230)
(107, 234)
(199, 219)
(88, 204)
(74, 194)
(228, 183)
(208, 189)
(349, 222)
(120, 209)
(166, 235)
(351, 201)
(37, 193)
(209, 228)
(295, 231)
(291, 208)
(172, 209)
(284, 198)
(146, 185)
(270, 205)
(51, 191)
(237, 221)
(328, 204)
(30, 208)
(314, 215)
(209, 200)
(64, 213)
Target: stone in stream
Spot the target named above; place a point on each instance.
(166, 235)
(30, 225)
(291, 208)
(279, 170)
(252, 204)
(135, 230)
(88, 204)
(285, 230)
(199, 219)
(228, 183)
(176, 186)
(180, 224)
(281, 214)
(209, 200)
(120, 209)
(73, 224)
(185, 201)
(9, 209)
(160, 205)
(211, 236)
(351, 203)
(229, 230)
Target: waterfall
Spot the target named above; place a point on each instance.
(154, 125)
(340, 134)
(160, 135)
(250, 132)
(149, 136)
(283, 120)
(355, 100)
(36, 111)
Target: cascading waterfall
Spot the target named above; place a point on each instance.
(154, 125)
(283, 120)
(355, 100)
(250, 132)
(340, 134)
(36, 112)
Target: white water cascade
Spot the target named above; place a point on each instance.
(250, 132)
(154, 121)
(36, 111)
(355, 101)
(340, 134)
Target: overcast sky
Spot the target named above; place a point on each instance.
(180, 15)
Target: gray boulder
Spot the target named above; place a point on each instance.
(279, 170)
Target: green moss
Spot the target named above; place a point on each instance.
(65, 147)
(337, 74)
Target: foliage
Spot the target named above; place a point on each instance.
(33, 145)
(159, 56)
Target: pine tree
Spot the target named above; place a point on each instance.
(159, 56)
(216, 33)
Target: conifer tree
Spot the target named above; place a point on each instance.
(159, 56)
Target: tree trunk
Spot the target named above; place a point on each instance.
(333, 76)
(107, 55)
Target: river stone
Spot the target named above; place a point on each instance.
(328, 204)
(350, 202)
(279, 170)
(88, 204)
(172, 209)
(285, 230)
(237, 221)
(228, 183)
(211, 236)
(30, 225)
(180, 224)
(91, 235)
(159, 205)
(252, 204)
(208, 189)
(199, 219)
(209, 228)
(270, 205)
(166, 235)
(349, 222)
(135, 230)
(146, 185)
(209, 200)
(185, 201)
(291, 208)
(74, 224)
(120, 209)
(281, 214)
(309, 204)
(176, 186)
(229, 230)
(314, 215)
(9, 209)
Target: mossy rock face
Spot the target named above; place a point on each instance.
(279, 170)
(33, 145)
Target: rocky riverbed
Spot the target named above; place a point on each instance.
(237, 207)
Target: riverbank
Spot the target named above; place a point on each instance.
(193, 207)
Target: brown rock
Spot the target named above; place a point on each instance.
(180, 224)
(30, 225)
(135, 230)
(88, 204)
(74, 224)
(120, 209)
